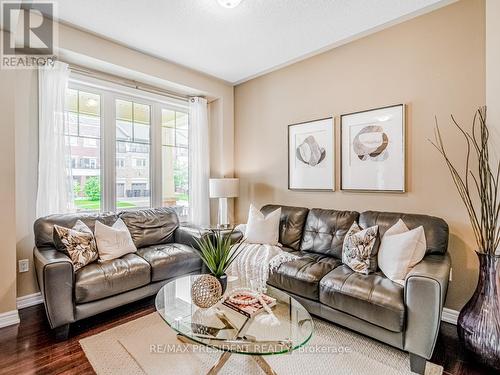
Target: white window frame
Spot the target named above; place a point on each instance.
(109, 93)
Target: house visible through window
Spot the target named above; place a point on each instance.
(88, 163)
(83, 134)
(140, 163)
(133, 126)
(175, 172)
(126, 150)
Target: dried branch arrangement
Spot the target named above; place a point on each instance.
(478, 189)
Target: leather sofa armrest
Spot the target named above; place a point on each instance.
(236, 236)
(55, 275)
(188, 235)
(425, 292)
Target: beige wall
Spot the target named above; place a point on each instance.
(26, 152)
(88, 50)
(493, 70)
(434, 63)
(7, 191)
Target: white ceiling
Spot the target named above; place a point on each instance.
(240, 43)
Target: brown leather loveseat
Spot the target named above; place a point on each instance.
(164, 253)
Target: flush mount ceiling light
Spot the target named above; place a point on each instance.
(229, 3)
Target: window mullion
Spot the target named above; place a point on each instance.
(108, 150)
(156, 159)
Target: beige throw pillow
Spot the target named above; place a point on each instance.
(113, 242)
(77, 243)
(262, 229)
(400, 250)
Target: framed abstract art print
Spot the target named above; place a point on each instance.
(373, 150)
(311, 155)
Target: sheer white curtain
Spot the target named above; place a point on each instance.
(54, 175)
(199, 167)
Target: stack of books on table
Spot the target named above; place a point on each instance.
(250, 310)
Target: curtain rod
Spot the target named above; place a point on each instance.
(125, 82)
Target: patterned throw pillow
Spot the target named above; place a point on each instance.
(357, 252)
(78, 243)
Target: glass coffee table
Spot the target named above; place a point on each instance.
(222, 328)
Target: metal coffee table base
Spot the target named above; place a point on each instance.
(266, 367)
(257, 358)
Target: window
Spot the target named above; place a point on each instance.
(88, 163)
(175, 171)
(83, 135)
(89, 143)
(129, 149)
(71, 141)
(133, 123)
(140, 163)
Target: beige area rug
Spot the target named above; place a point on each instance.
(130, 349)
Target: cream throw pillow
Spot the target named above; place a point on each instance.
(113, 242)
(262, 229)
(400, 250)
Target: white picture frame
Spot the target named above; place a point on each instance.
(311, 155)
(373, 150)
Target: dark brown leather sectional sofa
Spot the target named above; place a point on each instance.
(405, 317)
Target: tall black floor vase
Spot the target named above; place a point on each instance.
(479, 321)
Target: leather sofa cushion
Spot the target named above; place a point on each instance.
(302, 276)
(44, 226)
(372, 297)
(291, 224)
(291, 251)
(436, 229)
(170, 260)
(151, 226)
(325, 230)
(104, 279)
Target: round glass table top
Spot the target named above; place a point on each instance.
(222, 328)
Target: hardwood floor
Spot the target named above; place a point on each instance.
(31, 347)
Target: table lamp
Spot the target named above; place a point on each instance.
(223, 188)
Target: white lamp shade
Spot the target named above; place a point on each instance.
(224, 187)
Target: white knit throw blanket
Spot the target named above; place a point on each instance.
(255, 262)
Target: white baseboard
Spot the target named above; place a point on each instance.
(449, 316)
(9, 318)
(29, 300)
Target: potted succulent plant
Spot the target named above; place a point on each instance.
(218, 251)
(479, 321)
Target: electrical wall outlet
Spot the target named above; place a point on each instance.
(451, 274)
(24, 265)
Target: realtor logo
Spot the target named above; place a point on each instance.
(29, 37)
